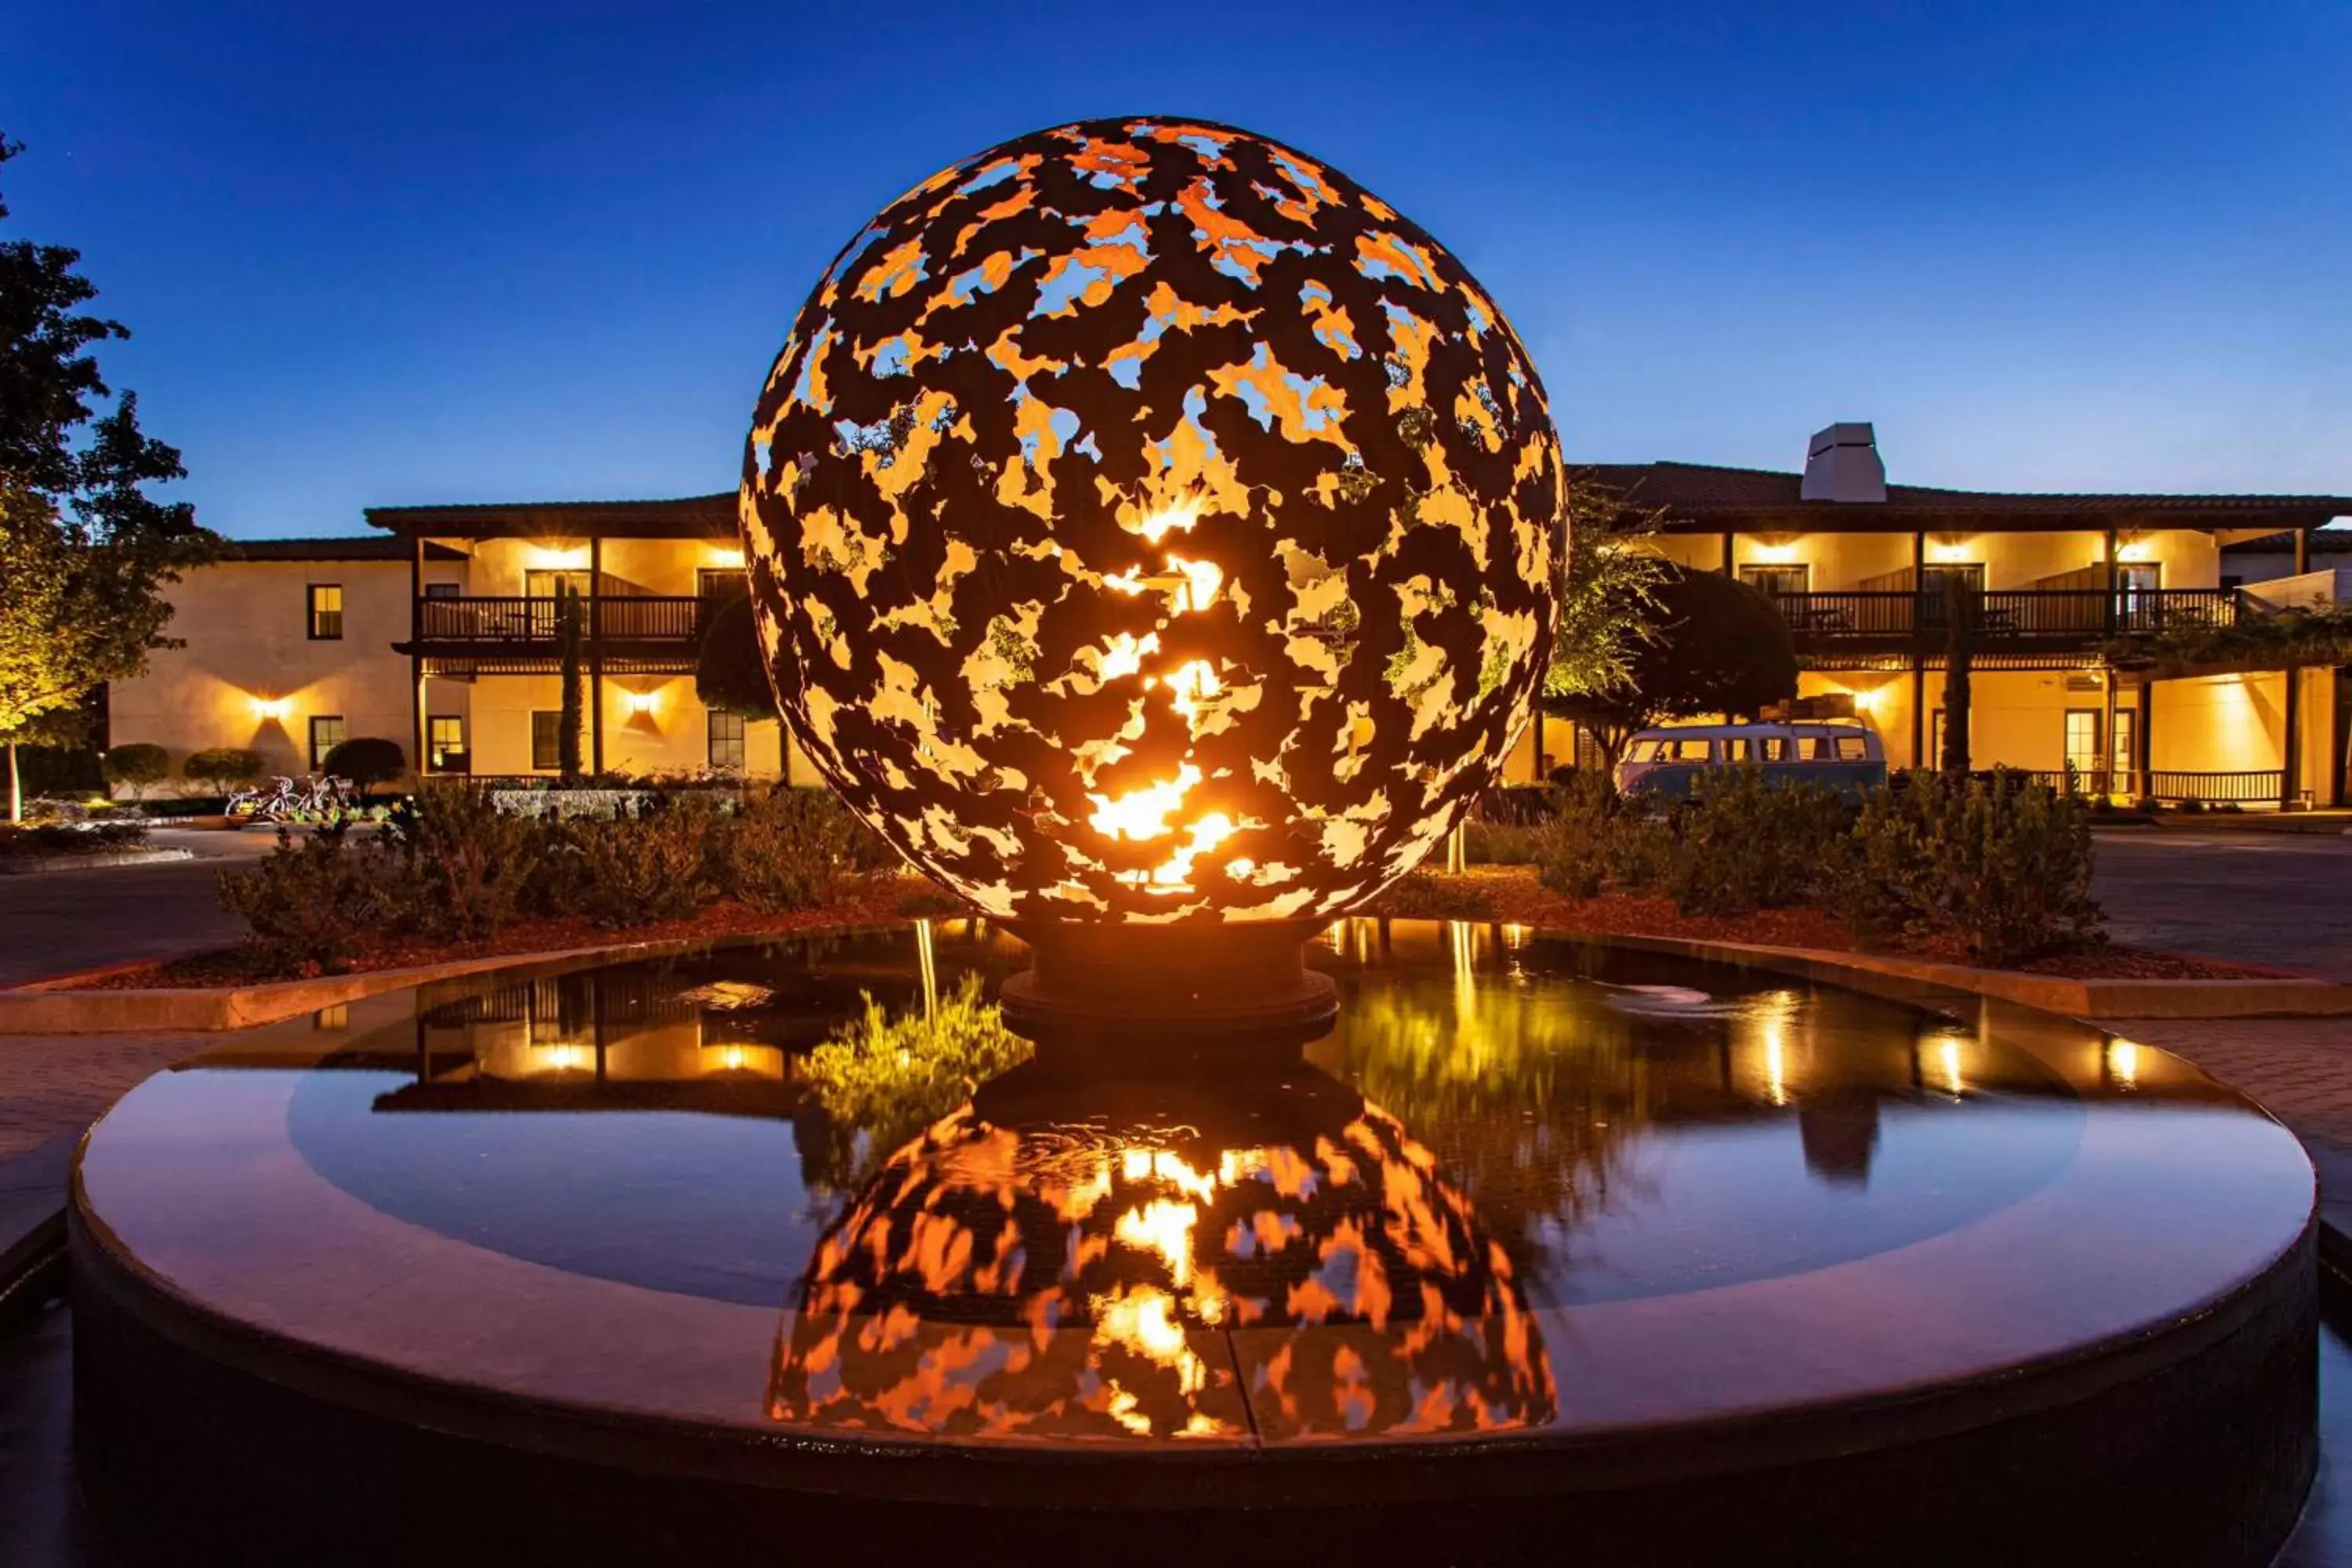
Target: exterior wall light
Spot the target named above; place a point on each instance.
(639, 704)
(271, 709)
(1149, 526)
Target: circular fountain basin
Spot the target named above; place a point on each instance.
(1547, 1247)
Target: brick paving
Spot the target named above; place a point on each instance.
(53, 1086)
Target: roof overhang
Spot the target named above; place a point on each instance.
(688, 517)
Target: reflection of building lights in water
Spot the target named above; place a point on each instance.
(1775, 1011)
(564, 1058)
(931, 972)
(2123, 1062)
(1948, 1055)
(1459, 937)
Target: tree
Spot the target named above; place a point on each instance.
(85, 551)
(1608, 592)
(366, 761)
(730, 673)
(1713, 644)
(221, 768)
(567, 723)
(1960, 623)
(136, 767)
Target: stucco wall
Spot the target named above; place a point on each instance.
(245, 629)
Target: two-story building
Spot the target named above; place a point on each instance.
(1859, 568)
(443, 631)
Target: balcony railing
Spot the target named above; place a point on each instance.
(639, 618)
(2037, 615)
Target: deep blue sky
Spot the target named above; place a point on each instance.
(435, 252)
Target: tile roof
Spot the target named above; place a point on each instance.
(1700, 490)
(339, 547)
(682, 516)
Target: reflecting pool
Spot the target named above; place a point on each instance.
(1527, 1183)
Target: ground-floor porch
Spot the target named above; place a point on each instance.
(510, 725)
(2252, 739)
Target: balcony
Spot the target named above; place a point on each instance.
(2007, 620)
(525, 632)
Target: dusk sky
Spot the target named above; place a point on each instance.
(487, 252)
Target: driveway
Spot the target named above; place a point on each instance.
(60, 922)
(2282, 899)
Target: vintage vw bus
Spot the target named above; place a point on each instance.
(1844, 759)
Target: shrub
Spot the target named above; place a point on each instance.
(654, 868)
(1501, 843)
(2001, 864)
(1745, 843)
(221, 768)
(467, 863)
(47, 839)
(366, 760)
(1425, 896)
(1595, 841)
(136, 767)
(311, 905)
(1572, 847)
(790, 850)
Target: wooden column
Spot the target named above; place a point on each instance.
(2144, 758)
(1919, 588)
(2291, 751)
(2302, 550)
(416, 758)
(596, 666)
(2112, 583)
(2106, 783)
(1918, 710)
(1539, 772)
(1728, 569)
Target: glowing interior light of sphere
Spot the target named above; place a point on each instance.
(1146, 482)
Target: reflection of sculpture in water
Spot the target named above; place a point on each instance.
(1033, 1266)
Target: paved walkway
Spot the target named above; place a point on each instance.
(60, 922)
(2282, 899)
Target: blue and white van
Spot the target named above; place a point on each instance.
(1844, 759)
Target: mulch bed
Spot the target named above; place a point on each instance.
(1512, 894)
(1506, 893)
(875, 902)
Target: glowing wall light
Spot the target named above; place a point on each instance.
(271, 709)
(1950, 547)
(637, 704)
(1148, 524)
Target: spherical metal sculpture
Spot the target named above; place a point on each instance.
(1148, 524)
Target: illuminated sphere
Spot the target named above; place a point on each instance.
(1148, 523)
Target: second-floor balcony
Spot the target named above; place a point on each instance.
(2032, 618)
(534, 623)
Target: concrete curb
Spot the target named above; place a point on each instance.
(40, 865)
(2074, 998)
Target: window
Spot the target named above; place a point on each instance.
(441, 590)
(543, 584)
(727, 740)
(1776, 749)
(445, 744)
(1691, 751)
(326, 734)
(2083, 740)
(1739, 749)
(1775, 580)
(326, 612)
(721, 582)
(546, 742)
(2136, 605)
(1934, 585)
(1853, 748)
(1935, 757)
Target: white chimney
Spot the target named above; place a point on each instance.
(1841, 464)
